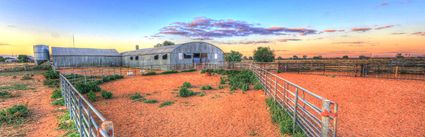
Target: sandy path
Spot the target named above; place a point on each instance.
(219, 113)
(371, 106)
(43, 121)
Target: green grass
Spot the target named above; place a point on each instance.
(16, 114)
(189, 70)
(59, 102)
(282, 118)
(137, 97)
(202, 93)
(51, 82)
(5, 94)
(33, 72)
(14, 87)
(169, 72)
(186, 85)
(91, 96)
(66, 123)
(185, 92)
(149, 73)
(166, 103)
(150, 101)
(106, 94)
(56, 94)
(207, 87)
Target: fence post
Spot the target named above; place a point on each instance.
(80, 109)
(396, 71)
(275, 88)
(265, 82)
(295, 111)
(325, 118)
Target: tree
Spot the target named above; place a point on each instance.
(317, 57)
(250, 58)
(295, 57)
(2, 59)
(233, 56)
(363, 57)
(263, 54)
(399, 56)
(245, 58)
(345, 57)
(23, 58)
(165, 43)
(304, 56)
(279, 58)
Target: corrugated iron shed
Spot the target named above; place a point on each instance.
(60, 51)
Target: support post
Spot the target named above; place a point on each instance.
(275, 88)
(325, 118)
(295, 111)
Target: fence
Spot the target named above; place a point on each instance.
(314, 114)
(86, 117)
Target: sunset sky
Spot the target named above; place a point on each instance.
(328, 28)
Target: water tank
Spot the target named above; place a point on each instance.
(41, 54)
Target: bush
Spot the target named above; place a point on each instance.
(59, 102)
(27, 77)
(202, 94)
(14, 115)
(220, 87)
(136, 97)
(169, 72)
(85, 87)
(106, 94)
(279, 71)
(111, 78)
(56, 94)
(167, 103)
(207, 87)
(51, 82)
(91, 96)
(258, 86)
(244, 87)
(5, 94)
(150, 101)
(51, 74)
(186, 85)
(222, 80)
(149, 73)
(184, 92)
(189, 70)
(282, 118)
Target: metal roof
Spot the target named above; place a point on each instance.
(83, 52)
(158, 50)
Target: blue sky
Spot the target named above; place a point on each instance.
(120, 21)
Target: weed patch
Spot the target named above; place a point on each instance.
(137, 97)
(186, 85)
(91, 96)
(66, 123)
(189, 70)
(85, 87)
(14, 87)
(106, 94)
(27, 77)
(282, 118)
(150, 101)
(56, 94)
(149, 73)
(207, 87)
(166, 103)
(59, 102)
(14, 115)
(169, 72)
(185, 92)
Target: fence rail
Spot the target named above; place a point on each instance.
(314, 114)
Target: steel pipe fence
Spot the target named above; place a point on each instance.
(315, 115)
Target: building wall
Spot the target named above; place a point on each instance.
(85, 61)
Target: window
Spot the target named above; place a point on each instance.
(187, 56)
(156, 57)
(137, 57)
(180, 56)
(131, 57)
(164, 57)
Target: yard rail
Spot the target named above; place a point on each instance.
(315, 115)
(88, 120)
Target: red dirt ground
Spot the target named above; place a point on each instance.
(219, 113)
(371, 106)
(43, 121)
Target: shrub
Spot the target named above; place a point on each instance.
(14, 115)
(202, 94)
(220, 87)
(85, 87)
(279, 71)
(184, 92)
(282, 118)
(51, 74)
(222, 80)
(149, 73)
(56, 94)
(150, 101)
(59, 102)
(51, 82)
(189, 70)
(186, 85)
(111, 78)
(27, 77)
(258, 86)
(169, 72)
(244, 87)
(91, 96)
(166, 103)
(106, 94)
(136, 97)
(207, 87)
(5, 94)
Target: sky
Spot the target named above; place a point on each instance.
(329, 28)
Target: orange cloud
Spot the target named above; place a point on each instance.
(361, 29)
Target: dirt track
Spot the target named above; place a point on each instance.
(371, 106)
(219, 113)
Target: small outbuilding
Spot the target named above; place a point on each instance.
(166, 57)
(82, 57)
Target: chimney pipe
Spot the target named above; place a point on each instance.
(137, 47)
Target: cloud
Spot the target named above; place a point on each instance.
(361, 29)
(11, 26)
(287, 40)
(246, 42)
(384, 27)
(4, 44)
(332, 30)
(419, 33)
(350, 43)
(383, 4)
(397, 33)
(207, 28)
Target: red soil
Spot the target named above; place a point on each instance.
(42, 121)
(371, 106)
(218, 113)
